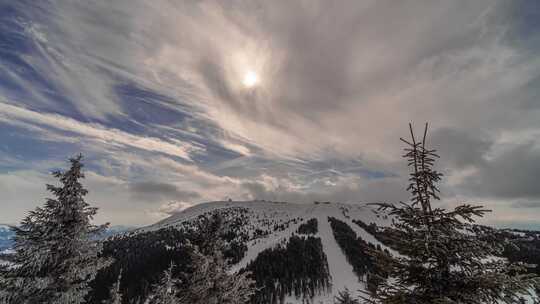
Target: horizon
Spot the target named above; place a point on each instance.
(178, 103)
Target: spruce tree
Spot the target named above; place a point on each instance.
(115, 295)
(165, 292)
(344, 297)
(210, 282)
(56, 252)
(446, 257)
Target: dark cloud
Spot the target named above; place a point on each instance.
(526, 204)
(515, 173)
(153, 192)
(459, 148)
(531, 99)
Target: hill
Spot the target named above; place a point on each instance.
(297, 252)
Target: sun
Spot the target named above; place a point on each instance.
(251, 79)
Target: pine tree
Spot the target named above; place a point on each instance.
(115, 295)
(446, 257)
(210, 282)
(344, 297)
(165, 292)
(56, 252)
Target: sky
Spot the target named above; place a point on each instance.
(173, 103)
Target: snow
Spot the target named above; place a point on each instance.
(258, 245)
(340, 270)
(259, 211)
(263, 214)
(366, 236)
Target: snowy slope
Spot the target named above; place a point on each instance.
(273, 248)
(287, 217)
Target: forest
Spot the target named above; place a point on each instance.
(298, 268)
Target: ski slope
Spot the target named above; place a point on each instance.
(264, 214)
(278, 221)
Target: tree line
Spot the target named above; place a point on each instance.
(298, 268)
(309, 227)
(359, 253)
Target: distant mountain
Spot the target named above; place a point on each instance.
(7, 234)
(117, 229)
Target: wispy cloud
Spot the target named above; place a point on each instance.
(93, 131)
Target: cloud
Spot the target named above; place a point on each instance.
(334, 70)
(159, 191)
(173, 207)
(346, 189)
(339, 83)
(14, 114)
(240, 149)
(21, 192)
(512, 174)
(325, 70)
(460, 148)
(526, 204)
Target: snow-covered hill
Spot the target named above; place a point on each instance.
(264, 225)
(297, 253)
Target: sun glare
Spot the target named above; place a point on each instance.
(250, 79)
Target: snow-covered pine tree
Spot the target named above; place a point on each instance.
(56, 252)
(211, 281)
(344, 297)
(115, 295)
(165, 292)
(446, 257)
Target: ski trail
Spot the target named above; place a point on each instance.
(368, 237)
(258, 245)
(340, 269)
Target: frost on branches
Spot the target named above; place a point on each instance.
(209, 280)
(446, 257)
(345, 297)
(56, 254)
(115, 295)
(166, 291)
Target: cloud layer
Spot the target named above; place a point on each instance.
(152, 93)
